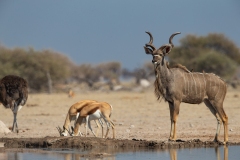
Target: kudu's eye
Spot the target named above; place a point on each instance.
(159, 55)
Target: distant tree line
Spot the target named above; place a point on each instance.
(212, 53)
(46, 69)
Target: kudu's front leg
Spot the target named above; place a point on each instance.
(174, 111)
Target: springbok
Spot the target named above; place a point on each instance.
(85, 111)
(96, 110)
(178, 85)
(73, 114)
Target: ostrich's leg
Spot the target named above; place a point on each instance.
(15, 111)
(15, 126)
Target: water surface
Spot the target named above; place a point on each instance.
(218, 153)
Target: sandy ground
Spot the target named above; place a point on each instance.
(136, 115)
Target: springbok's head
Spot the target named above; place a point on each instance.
(160, 53)
(64, 131)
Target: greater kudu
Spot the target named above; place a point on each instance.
(178, 85)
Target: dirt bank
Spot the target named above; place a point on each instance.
(92, 143)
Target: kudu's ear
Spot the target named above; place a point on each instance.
(166, 49)
(148, 50)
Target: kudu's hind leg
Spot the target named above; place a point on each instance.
(220, 115)
(224, 118)
(214, 112)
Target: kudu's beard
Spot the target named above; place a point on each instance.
(155, 64)
(159, 91)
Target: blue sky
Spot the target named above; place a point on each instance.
(97, 31)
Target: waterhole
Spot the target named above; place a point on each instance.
(217, 153)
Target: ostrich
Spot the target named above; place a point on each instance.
(13, 95)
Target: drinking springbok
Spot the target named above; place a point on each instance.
(85, 111)
(178, 85)
(73, 114)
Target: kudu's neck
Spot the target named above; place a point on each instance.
(162, 71)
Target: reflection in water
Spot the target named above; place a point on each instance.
(225, 153)
(218, 153)
(173, 153)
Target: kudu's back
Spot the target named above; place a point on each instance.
(197, 86)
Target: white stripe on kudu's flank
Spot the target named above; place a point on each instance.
(188, 84)
(218, 88)
(185, 85)
(198, 78)
(194, 83)
(209, 81)
(204, 82)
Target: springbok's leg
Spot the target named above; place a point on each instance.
(86, 125)
(214, 112)
(96, 123)
(90, 127)
(174, 111)
(83, 121)
(101, 123)
(97, 127)
(77, 125)
(109, 123)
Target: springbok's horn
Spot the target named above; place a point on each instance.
(59, 129)
(170, 39)
(149, 44)
(67, 130)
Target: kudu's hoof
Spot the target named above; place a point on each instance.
(171, 140)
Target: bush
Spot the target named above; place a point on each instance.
(214, 62)
(35, 66)
(212, 53)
